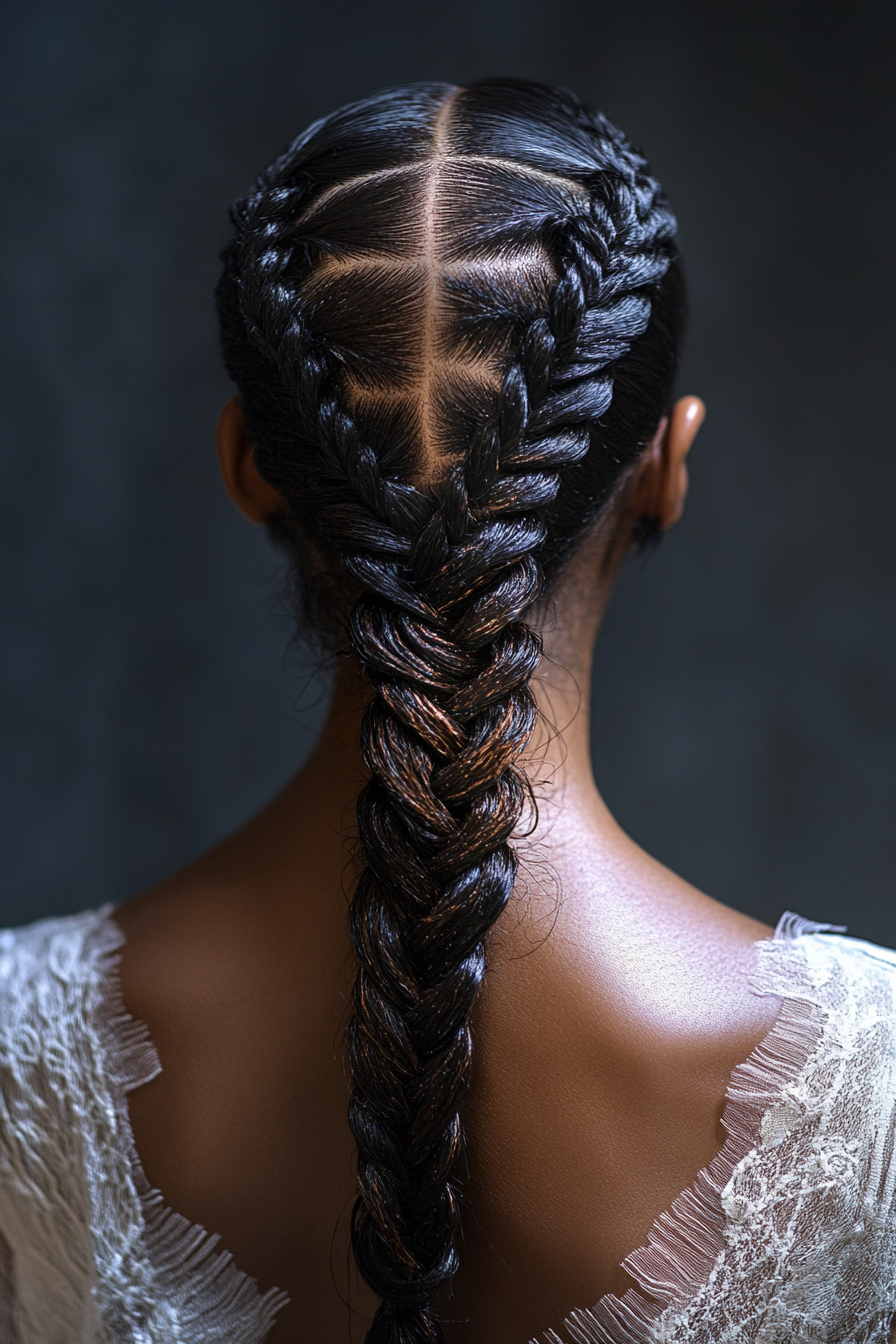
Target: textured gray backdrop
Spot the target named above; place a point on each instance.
(746, 698)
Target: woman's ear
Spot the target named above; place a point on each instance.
(661, 478)
(245, 485)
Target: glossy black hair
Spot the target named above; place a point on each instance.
(454, 316)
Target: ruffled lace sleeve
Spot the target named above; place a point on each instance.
(789, 1237)
(88, 1252)
(45, 1203)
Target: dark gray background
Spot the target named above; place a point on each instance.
(746, 697)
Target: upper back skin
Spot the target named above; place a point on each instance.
(616, 1006)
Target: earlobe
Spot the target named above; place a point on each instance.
(255, 497)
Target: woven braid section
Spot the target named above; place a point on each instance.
(443, 575)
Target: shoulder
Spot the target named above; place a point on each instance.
(66, 1042)
(851, 981)
(51, 975)
(839, 999)
(51, 1076)
(52, 955)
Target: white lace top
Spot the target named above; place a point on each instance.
(789, 1237)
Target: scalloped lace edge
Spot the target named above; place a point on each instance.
(686, 1241)
(215, 1299)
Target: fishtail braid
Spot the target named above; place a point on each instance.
(440, 574)
(445, 783)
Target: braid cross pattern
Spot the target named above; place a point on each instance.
(443, 577)
(451, 712)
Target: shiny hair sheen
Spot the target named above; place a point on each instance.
(453, 316)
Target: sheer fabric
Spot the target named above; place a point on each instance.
(788, 1237)
(95, 1258)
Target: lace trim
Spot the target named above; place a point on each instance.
(211, 1294)
(685, 1242)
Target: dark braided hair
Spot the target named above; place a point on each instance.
(453, 316)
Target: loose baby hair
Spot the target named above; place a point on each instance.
(453, 316)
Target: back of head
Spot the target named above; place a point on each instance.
(453, 316)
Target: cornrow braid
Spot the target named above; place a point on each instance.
(435, 476)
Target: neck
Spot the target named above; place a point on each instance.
(557, 760)
(304, 840)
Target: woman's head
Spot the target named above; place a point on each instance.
(453, 316)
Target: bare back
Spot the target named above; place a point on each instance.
(604, 1040)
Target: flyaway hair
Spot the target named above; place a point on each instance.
(453, 316)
